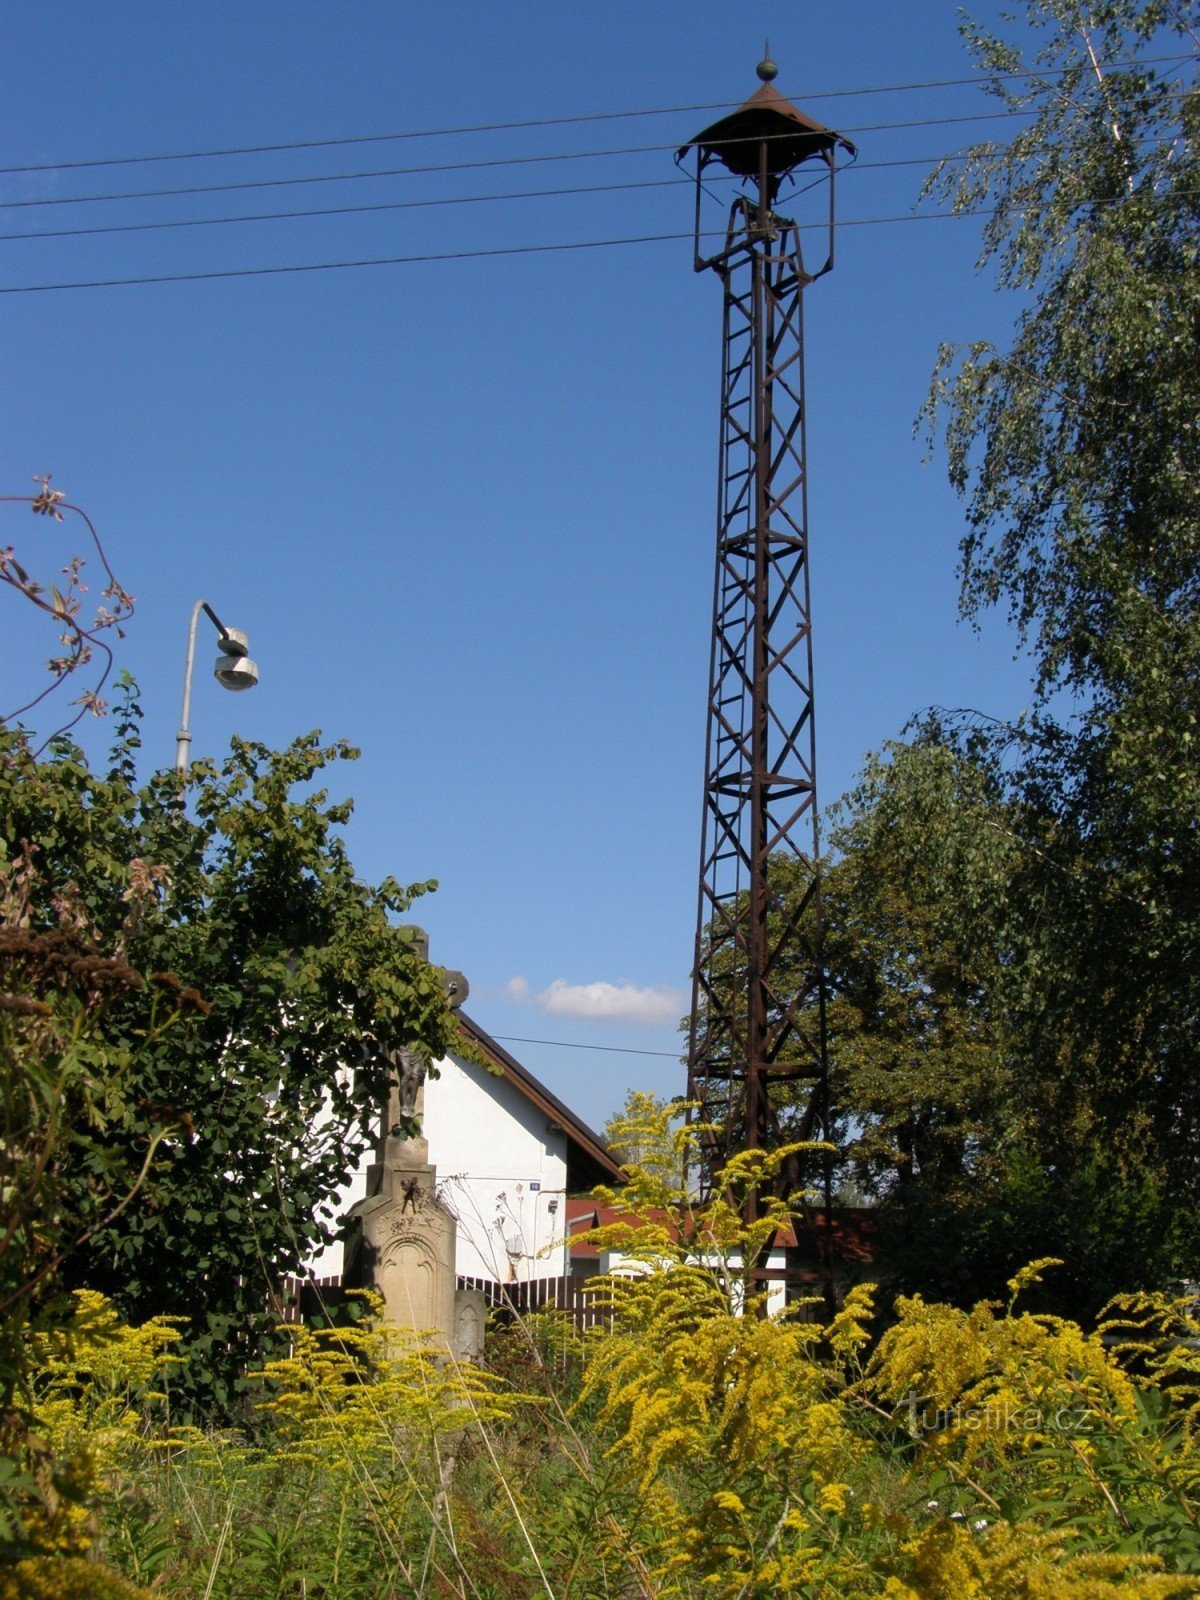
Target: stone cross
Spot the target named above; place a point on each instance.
(405, 1100)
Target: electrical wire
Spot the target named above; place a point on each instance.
(339, 177)
(558, 246)
(338, 266)
(411, 205)
(342, 211)
(415, 258)
(542, 122)
(566, 1044)
(446, 255)
(455, 166)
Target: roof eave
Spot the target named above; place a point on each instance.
(587, 1139)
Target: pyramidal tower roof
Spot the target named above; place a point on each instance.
(791, 136)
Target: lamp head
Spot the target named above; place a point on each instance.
(236, 671)
(235, 643)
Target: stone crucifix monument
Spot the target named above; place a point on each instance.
(405, 1240)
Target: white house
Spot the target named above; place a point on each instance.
(514, 1167)
(508, 1152)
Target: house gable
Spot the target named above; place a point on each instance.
(507, 1153)
(589, 1161)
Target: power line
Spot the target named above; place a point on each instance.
(540, 122)
(452, 166)
(339, 266)
(566, 1044)
(371, 138)
(417, 205)
(441, 255)
(339, 177)
(342, 211)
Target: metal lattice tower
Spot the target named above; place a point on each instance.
(757, 1054)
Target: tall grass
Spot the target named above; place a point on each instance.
(684, 1452)
(685, 1449)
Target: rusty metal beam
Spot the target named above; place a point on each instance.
(757, 1054)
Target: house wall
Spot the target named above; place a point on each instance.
(499, 1171)
(622, 1265)
(328, 1263)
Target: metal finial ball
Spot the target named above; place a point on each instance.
(767, 69)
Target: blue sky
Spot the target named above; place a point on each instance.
(465, 508)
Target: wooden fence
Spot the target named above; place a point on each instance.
(567, 1294)
(301, 1299)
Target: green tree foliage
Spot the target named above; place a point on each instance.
(979, 1149)
(1018, 908)
(917, 1043)
(640, 1134)
(1078, 452)
(63, 1093)
(1077, 449)
(285, 969)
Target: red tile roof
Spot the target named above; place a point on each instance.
(854, 1230)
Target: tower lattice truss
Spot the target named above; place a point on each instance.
(757, 1053)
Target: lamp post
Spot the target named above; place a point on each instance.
(234, 670)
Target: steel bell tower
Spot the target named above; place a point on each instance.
(757, 1068)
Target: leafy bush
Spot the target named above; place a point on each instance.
(233, 910)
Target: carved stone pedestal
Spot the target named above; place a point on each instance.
(405, 1248)
(404, 1243)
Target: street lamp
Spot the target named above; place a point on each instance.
(234, 670)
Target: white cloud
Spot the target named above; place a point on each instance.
(613, 1002)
